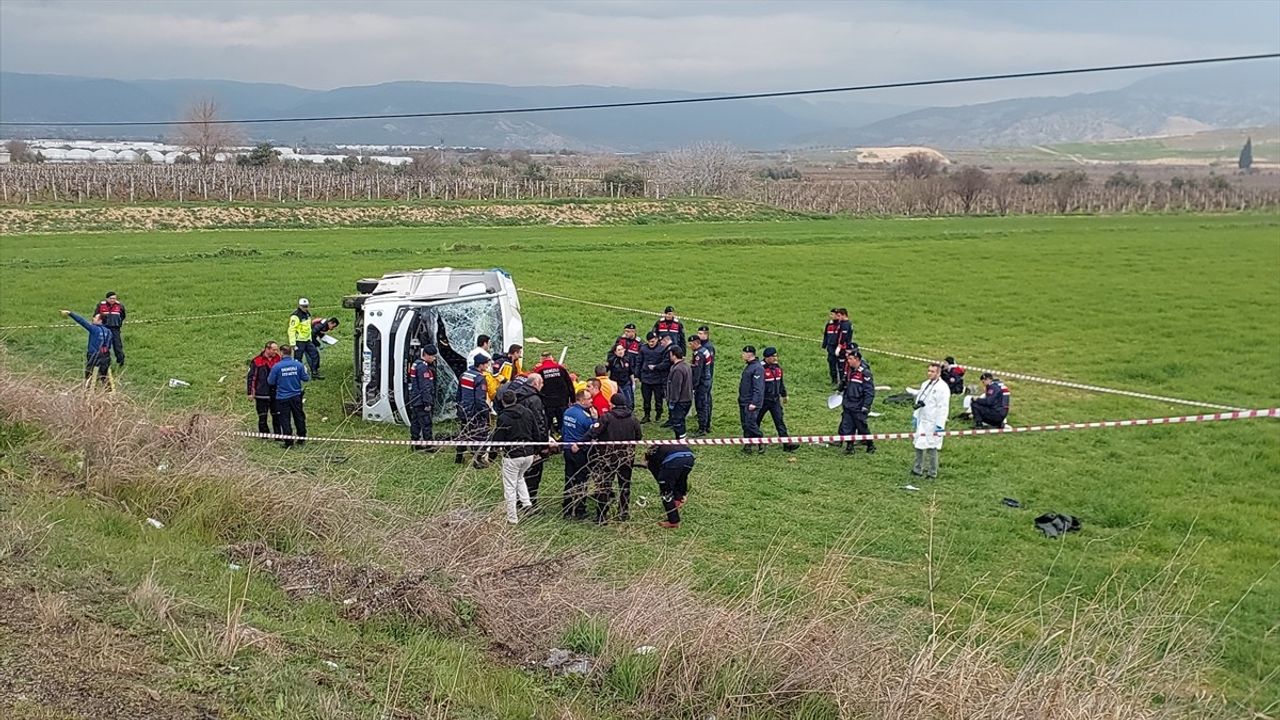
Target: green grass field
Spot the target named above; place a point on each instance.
(1176, 305)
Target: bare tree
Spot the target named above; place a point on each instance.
(429, 163)
(701, 169)
(20, 152)
(1064, 188)
(968, 184)
(1002, 191)
(923, 196)
(918, 165)
(203, 134)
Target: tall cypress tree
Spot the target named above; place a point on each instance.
(1246, 154)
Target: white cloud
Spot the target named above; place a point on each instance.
(690, 46)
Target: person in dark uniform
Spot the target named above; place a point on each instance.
(844, 339)
(670, 328)
(112, 312)
(703, 364)
(319, 328)
(576, 428)
(670, 466)
(775, 395)
(858, 391)
(473, 411)
(751, 398)
(557, 389)
(422, 398)
(992, 407)
(654, 366)
(831, 343)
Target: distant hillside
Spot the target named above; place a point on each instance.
(25, 97)
(1242, 95)
(1230, 96)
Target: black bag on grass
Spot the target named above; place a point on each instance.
(1056, 524)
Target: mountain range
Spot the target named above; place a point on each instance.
(1240, 95)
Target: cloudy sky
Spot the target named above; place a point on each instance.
(701, 46)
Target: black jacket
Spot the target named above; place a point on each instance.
(517, 423)
(632, 347)
(617, 424)
(557, 389)
(528, 397)
(751, 385)
(621, 369)
(661, 362)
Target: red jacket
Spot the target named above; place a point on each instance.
(601, 404)
(256, 381)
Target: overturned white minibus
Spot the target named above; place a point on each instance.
(398, 313)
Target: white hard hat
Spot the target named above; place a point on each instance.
(303, 301)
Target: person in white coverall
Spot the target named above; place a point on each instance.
(933, 404)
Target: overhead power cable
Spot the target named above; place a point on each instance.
(671, 101)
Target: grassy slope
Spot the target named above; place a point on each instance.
(1176, 305)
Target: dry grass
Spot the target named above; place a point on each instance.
(53, 611)
(206, 477)
(22, 538)
(152, 602)
(819, 650)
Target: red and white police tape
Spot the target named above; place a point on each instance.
(804, 439)
(918, 358)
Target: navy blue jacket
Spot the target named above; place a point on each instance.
(703, 368)
(774, 386)
(287, 377)
(472, 399)
(751, 385)
(995, 398)
(99, 335)
(575, 426)
(673, 329)
(831, 336)
(422, 385)
(859, 389)
(657, 357)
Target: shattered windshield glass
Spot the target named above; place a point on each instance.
(457, 327)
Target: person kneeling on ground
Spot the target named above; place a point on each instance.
(613, 462)
(953, 375)
(933, 401)
(992, 407)
(516, 423)
(670, 466)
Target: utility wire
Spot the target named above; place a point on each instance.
(675, 101)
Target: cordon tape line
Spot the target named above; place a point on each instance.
(799, 439)
(157, 320)
(918, 358)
